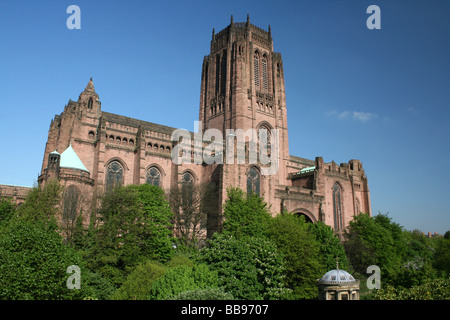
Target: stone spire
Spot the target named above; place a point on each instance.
(90, 86)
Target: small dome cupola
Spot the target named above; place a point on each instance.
(338, 284)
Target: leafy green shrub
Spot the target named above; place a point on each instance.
(6, 212)
(204, 294)
(34, 262)
(180, 260)
(183, 278)
(140, 281)
(248, 268)
(436, 289)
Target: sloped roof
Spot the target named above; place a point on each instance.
(69, 159)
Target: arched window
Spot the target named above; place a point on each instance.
(71, 200)
(217, 73)
(188, 179)
(256, 67)
(264, 72)
(90, 103)
(337, 207)
(154, 176)
(264, 129)
(114, 175)
(253, 181)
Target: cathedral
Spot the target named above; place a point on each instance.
(242, 87)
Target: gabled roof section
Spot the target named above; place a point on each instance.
(69, 159)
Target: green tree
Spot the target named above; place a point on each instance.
(441, 255)
(248, 267)
(245, 214)
(34, 262)
(330, 247)
(204, 294)
(139, 282)
(301, 253)
(417, 261)
(42, 203)
(7, 211)
(436, 289)
(375, 241)
(194, 207)
(405, 258)
(134, 226)
(183, 278)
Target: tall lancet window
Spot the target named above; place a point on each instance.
(337, 207)
(90, 103)
(264, 71)
(114, 175)
(71, 201)
(256, 67)
(253, 181)
(217, 74)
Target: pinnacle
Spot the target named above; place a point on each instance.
(90, 86)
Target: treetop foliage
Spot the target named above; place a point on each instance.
(128, 249)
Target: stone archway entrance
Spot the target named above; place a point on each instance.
(307, 218)
(302, 212)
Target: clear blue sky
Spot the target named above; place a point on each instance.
(381, 96)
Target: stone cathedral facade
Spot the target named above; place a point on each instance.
(242, 87)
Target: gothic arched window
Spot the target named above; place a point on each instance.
(217, 73)
(187, 188)
(256, 67)
(154, 177)
(188, 179)
(264, 71)
(358, 206)
(71, 200)
(114, 175)
(253, 181)
(337, 207)
(90, 103)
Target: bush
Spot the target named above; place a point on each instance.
(6, 212)
(34, 261)
(437, 289)
(204, 294)
(183, 278)
(140, 281)
(248, 268)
